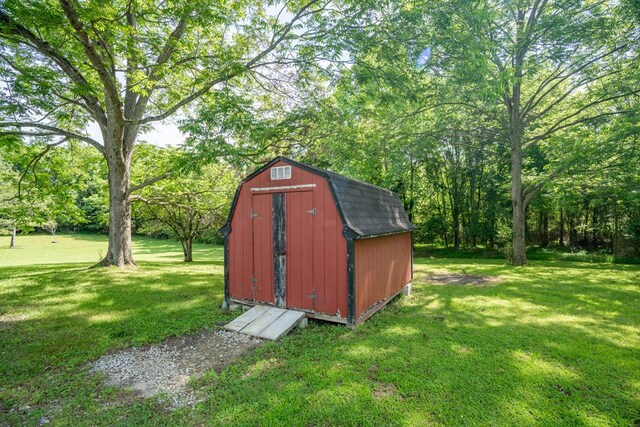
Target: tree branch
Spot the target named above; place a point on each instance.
(110, 87)
(529, 191)
(561, 124)
(165, 54)
(10, 27)
(31, 166)
(53, 131)
(554, 103)
(149, 182)
(539, 95)
(277, 38)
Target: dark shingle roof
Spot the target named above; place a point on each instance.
(366, 209)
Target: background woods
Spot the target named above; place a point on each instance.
(520, 128)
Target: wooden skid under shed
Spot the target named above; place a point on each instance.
(266, 322)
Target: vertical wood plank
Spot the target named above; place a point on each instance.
(383, 267)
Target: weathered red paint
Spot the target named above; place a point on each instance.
(315, 247)
(300, 244)
(262, 247)
(316, 271)
(382, 268)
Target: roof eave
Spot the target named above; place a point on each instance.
(390, 233)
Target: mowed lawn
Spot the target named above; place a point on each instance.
(555, 343)
(87, 249)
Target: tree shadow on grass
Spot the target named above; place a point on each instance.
(505, 354)
(69, 314)
(526, 351)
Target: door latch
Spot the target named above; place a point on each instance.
(252, 214)
(313, 211)
(313, 296)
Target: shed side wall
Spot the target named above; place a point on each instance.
(383, 268)
(329, 245)
(240, 248)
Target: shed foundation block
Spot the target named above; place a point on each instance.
(407, 289)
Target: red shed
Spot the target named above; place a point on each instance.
(308, 239)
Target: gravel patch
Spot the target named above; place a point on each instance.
(166, 368)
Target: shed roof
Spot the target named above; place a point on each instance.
(366, 210)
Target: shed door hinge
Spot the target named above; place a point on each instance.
(252, 214)
(313, 211)
(254, 280)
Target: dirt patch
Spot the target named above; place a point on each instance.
(167, 367)
(461, 279)
(8, 321)
(385, 390)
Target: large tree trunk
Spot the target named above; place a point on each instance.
(516, 134)
(518, 201)
(119, 165)
(13, 238)
(519, 255)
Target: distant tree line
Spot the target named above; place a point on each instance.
(518, 126)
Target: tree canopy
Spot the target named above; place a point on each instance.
(520, 125)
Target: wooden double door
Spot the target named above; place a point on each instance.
(282, 233)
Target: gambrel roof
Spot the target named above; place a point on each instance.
(366, 210)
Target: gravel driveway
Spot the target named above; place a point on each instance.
(167, 367)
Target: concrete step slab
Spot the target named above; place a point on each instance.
(265, 319)
(245, 318)
(267, 322)
(282, 325)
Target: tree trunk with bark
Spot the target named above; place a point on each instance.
(118, 158)
(518, 200)
(545, 230)
(187, 249)
(561, 232)
(513, 99)
(12, 245)
(456, 229)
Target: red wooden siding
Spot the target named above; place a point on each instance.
(241, 248)
(382, 268)
(325, 251)
(300, 250)
(262, 247)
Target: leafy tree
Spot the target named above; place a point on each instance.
(508, 78)
(128, 64)
(38, 197)
(553, 65)
(186, 206)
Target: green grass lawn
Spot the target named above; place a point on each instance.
(87, 249)
(555, 343)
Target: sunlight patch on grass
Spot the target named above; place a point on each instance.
(461, 350)
(360, 350)
(105, 317)
(260, 367)
(339, 395)
(401, 330)
(534, 366)
(498, 307)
